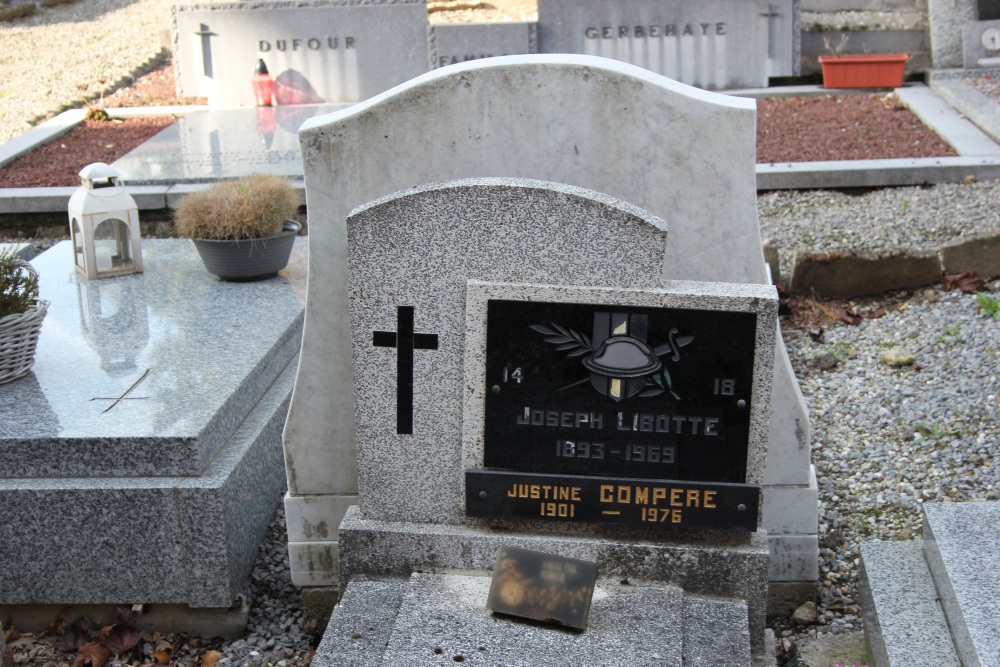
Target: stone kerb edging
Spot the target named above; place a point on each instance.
(835, 274)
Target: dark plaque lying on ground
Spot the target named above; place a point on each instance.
(619, 392)
(542, 587)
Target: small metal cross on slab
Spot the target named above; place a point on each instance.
(125, 396)
(405, 341)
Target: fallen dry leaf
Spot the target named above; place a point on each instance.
(209, 658)
(162, 657)
(968, 282)
(94, 654)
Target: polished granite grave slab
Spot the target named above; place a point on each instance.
(163, 496)
(207, 146)
(197, 353)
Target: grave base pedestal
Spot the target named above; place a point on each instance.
(733, 569)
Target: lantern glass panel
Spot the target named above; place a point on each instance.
(111, 245)
(77, 239)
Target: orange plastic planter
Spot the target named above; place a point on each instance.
(869, 70)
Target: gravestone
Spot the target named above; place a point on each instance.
(716, 44)
(140, 460)
(525, 377)
(451, 43)
(578, 120)
(327, 51)
(947, 19)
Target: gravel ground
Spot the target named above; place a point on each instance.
(69, 53)
(886, 438)
(986, 84)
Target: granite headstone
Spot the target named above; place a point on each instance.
(463, 296)
(681, 153)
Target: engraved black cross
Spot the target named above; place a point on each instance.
(405, 341)
(206, 48)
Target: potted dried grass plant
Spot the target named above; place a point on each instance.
(242, 229)
(21, 315)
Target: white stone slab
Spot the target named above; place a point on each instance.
(338, 50)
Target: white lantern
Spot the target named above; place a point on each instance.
(104, 225)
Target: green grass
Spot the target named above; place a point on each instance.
(988, 305)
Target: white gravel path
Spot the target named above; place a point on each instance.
(69, 52)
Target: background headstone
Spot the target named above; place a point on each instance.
(715, 44)
(334, 50)
(451, 43)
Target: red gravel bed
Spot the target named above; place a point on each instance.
(58, 163)
(801, 129)
(842, 127)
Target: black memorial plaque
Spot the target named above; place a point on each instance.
(624, 391)
(621, 500)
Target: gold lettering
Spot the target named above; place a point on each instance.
(692, 497)
(642, 495)
(607, 493)
(676, 518)
(624, 495)
(675, 497)
(535, 491)
(659, 493)
(575, 493)
(710, 499)
(513, 492)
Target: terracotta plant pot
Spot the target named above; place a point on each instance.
(869, 70)
(248, 259)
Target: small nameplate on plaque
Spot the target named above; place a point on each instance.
(542, 587)
(621, 500)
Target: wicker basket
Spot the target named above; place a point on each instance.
(19, 336)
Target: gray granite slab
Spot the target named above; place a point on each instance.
(443, 620)
(904, 622)
(215, 144)
(361, 624)
(716, 633)
(961, 543)
(336, 50)
(212, 349)
(171, 540)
